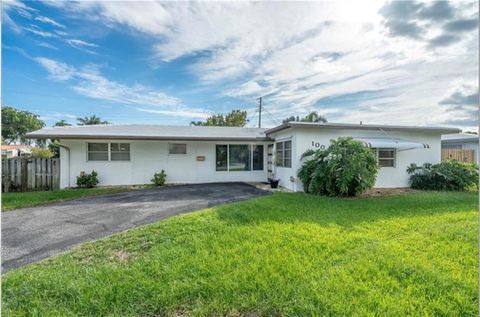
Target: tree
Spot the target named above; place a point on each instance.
(345, 168)
(91, 120)
(235, 118)
(17, 123)
(61, 123)
(311, 117)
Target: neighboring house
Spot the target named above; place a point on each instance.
(15, 150)
(131, 154)
(460, 141)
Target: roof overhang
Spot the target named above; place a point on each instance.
(348, 126)
(139, 137)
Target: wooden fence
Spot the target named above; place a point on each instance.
(459, 155)
(29, 174)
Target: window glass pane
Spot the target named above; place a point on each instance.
(257, 157)
(221, 157)
(279, 154)
(120, 156)
(386, 163)
(98, 147)
(120, 147)
(288, 145)
(288, 162)
(98, 156)
(239, 157)
(177, 148)
(386, 154)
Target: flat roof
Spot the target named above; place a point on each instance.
(460, 137)
(349, 126)
(149, 132)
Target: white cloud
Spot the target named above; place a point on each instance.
(57, 70)
(79, 43)
(90, 82)
(297, 53)
(47, 20)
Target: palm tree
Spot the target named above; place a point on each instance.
(91, 120)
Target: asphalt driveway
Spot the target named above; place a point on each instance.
(32, 234)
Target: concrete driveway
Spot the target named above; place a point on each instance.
(32, 234)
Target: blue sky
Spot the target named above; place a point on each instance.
(378, 62)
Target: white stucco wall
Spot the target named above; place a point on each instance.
(388, 177)
(148, 157)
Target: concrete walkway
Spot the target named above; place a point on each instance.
(32, 234)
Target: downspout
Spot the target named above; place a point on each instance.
(68, 150)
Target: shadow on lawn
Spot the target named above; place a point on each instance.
(299, 207)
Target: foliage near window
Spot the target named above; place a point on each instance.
(42, 152)
(87, 180)
(447, 175)
(159, 178)
(345, 168)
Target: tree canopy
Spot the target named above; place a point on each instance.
(91, 120)
(311, 117)
(61, 123)
(235, 118)
(17, 123)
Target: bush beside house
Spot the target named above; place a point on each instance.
(87, 180)
(159, 178)
(447, 175)
(345, 168)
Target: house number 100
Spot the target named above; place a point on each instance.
(318, 145)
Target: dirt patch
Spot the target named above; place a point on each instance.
(120, 256)
(379, 192)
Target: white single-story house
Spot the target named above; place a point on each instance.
(131, 154)
(461, 141)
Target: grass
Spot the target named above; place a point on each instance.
(283, 255)
(14, 200)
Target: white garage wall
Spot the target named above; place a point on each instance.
(148, 157)
(388, 177)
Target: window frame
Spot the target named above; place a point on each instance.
(169, 149)
(88, 152)
(393, 159)
(250, 150)
(109, 151)
(119, 151)
(280, 153)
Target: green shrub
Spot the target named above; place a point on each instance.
(159, 178)
(345, 168)
(87, 180)
(447, 175)
(42, 152)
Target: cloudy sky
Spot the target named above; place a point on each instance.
(401, 62)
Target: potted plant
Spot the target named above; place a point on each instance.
(274, 182)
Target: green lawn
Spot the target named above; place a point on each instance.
(282, 255)
(30, 199)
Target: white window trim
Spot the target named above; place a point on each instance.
(186, 149)
(250, 148)
(394, 159)
(283, 153)
(109, 153)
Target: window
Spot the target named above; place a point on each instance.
(97, 151)
(284, 154)
(257, 157)
(100, 151)
(177, 148)
(120, 151)
(386, 157)
(221, 154)
(239, 157)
